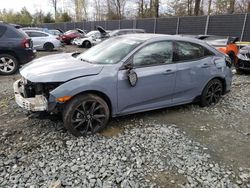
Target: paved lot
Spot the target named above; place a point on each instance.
(182, 146)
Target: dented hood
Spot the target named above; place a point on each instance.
(58, 68)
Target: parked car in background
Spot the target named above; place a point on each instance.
(243, 63)
(123, 75)
(56, 32)
(118, 32)
(70, 35)
(16, 48)
(91, 38)
(225, 44)
(44, 41)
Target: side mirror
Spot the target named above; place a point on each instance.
(132, 76)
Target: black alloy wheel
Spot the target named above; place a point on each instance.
(212, 93)
(86, 114)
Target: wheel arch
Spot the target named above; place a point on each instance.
(223, 81)
(87, 40)
(48, 42)
(10, 53)
(100, 94)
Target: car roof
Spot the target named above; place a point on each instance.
(150, 37)
(37, 31)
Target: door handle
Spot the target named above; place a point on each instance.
(169, 71)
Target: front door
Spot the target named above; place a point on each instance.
(156, 74)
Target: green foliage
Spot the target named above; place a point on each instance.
(64, 17)
(22, 17)
(48, 18)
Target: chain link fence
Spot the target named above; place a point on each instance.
(225, 25)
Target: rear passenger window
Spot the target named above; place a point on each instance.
(11, 33)
(36, 34)
(186, 51)
(2, 30)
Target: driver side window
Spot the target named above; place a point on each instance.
(158, 53)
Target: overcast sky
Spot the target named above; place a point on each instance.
(31, 5)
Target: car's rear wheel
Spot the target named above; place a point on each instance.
(8, 64)
(87, 44)
(86, 114)
(212, 93)
(48, 46)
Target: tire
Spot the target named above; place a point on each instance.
(232, 56)
(71, 41)
(211, 93)
(86, 114)
(87, 44)
(48, 46)
(239, 71)
(8, 64)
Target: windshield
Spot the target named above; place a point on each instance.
(110, 51)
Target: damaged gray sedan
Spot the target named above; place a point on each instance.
(123, 75)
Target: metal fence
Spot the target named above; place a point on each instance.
(224, 25)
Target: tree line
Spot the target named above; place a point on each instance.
(81, 10)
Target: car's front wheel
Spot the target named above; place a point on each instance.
(86, 114)
(8, 64)
(212, 93)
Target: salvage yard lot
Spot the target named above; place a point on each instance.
(184, 145)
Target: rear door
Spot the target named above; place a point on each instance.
(195, 66)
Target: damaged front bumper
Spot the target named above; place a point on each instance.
(243, 64)
(35, 104)
(244, 59)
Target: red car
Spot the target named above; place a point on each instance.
(70, 35)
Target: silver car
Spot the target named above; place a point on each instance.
(44, 41)
(123, 75)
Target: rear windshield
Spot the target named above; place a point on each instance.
(23, 33)
(2, 30)
(12, 32)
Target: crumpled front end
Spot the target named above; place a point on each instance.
(244, 59)
(34, 97)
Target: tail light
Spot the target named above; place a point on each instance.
(25, 43)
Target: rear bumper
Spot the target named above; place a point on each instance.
(26, 55)
(35, 104)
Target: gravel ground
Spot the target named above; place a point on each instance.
(184, 146)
